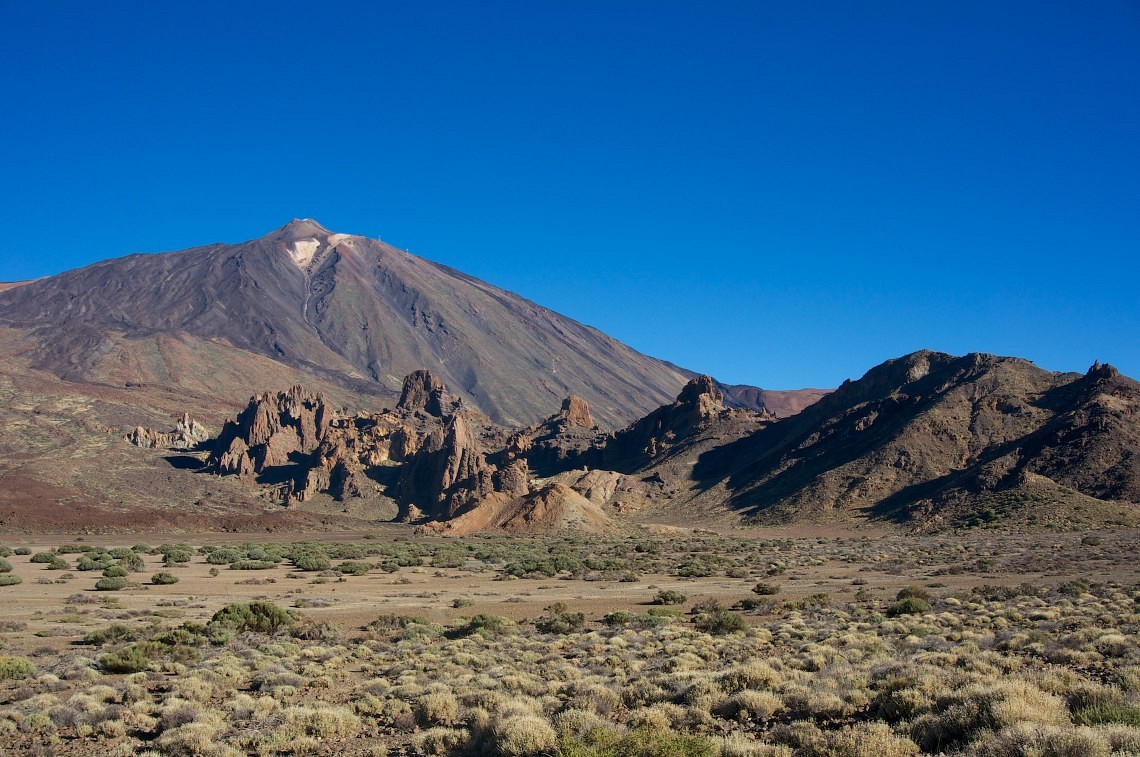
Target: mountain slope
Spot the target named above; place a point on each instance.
(345, 309)
(924, 436)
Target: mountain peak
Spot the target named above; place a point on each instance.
(297, 229)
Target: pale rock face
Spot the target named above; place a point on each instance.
(302, 251)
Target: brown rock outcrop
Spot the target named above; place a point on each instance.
(187, 434)
(576, 412)
(422, 390)
(270, 432)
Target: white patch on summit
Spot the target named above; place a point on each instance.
(302, 251)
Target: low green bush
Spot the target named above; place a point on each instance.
(483, 624)
(16, 668)
(164, 579)
(5, 566)
(354, 568)
(115, 571)
(9, 579)
(115, 632)
(560, 620)
(669, 597)
(311, 561)
(765, 589)
(917, 592)
(132, 659)
(42, 557)
(252, 565)
(115, 583)
(264, 617)
(908, 606)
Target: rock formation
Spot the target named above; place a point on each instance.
(187, 434)
(271, 431)
(920, 439)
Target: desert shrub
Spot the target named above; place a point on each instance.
(1103, 713)
(5, 566)
(390, 622)
(640, 742)
(874, 738)
(16, 668)
(130, 659)
(114, 583)
(560, 620)
(1091, 541)
(523, 734)
(57, 563)
(5, 552)
(9, 579)
(354, 568)
(164, 579)
(483, 624)
(115, 571)
(618, 619)
(93, 562)
(1074, 588)
(175, 553)
(765, 589)
(75, 549)
(750, 704)
(437, 707)
(112, 633)
(264, 617)
(530, 566)
(311, 561)
(710, 617)
(960, 715)
(696, 569)
(440, 741)
(908, 606)
(22, 550)
(187, 634)
(129, 560)
(669, 597)
(460, 602)
(223, 556)
(916, 592)
(42, 557)
(252, 565)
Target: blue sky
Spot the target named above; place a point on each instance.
(780, 194)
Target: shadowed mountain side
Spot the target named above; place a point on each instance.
(343, 308)
(927, 432)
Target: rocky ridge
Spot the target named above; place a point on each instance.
(929, 439)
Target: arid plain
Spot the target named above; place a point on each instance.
(661, 641)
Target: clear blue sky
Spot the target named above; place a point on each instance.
(781, 194)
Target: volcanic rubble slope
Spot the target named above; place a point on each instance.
(455, 469)
(932, 438)
(343, 309)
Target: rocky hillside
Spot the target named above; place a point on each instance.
(929, 440)
(343, 310)
(931, 437)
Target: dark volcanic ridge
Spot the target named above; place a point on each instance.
(928, 440)
(343, 309)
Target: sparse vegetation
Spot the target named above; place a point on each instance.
(1000, 661)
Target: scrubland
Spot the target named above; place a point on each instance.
(683, 643)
